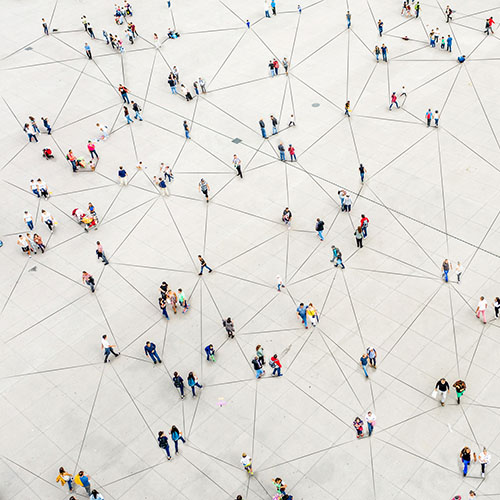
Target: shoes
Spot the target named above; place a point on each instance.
(154, 362)
(159, 361)
(199, 274)
(210, 271)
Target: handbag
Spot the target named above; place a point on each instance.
(434, 393)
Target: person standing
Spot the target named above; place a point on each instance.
(291, 150)
(273, 6)
(302, 314)
(100, 253)
(25, 245)
(186, 129)
(83, 480)
(358, 425)
(362, 172)
(176, 436)
(484, 459)
(193, 382)
(122, 176)
(445, 268)
(417, 9)
(247, 463)
(312, 313)
(460, 387)
(203, 85)
(204, 188)
(347, 203)
(266, 8)
(372, 357)
(449, 41)
(88, 51)
(348, 17)
(92, 151)
(46, 124)
(377, 52)
(106, 37)
(279, 283)
(259, 351)
(28, 219)
(150, 350)
(262, 126)
(183, 301)
(428, 117)
(229, 326)
(384, 51)
(163, 444)
(137, 110)
(394, 100)
(237, 165)
(87, 279)
(124, 93)
(465, 457)
(210, 352)
(275, 364)
(448, 13)
(359, 236)
(203, 265)
(458, 271)
(436, 118)
(274, 124)
(259, 372)
(179, 383)
(281, 149)
(496, 305)
(481, 308)
(173, 84)
(380, 26)
(487, 27)
(443, 388)
(163, 306)
(65, 477)
(39, 242)
(347, 108)
(320, 227)
(363, 362)
(107, 348)
(45, 27)
(286, 64)
(370, 422)
(126, 113)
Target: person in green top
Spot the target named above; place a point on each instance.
(460, 387)
(182, 300)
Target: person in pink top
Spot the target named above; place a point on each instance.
(92, 151)
(394, 100)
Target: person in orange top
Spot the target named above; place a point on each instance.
(72, 159)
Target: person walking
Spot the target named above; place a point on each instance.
(370, 419)
(45, 27)
(465, 457)
(266, 9)
(150, 350)
(39, 242)
(163, 306)
(445, 268)
(337, 257)
(259, 372)
(275, 364)
(203, 265)
(377, 52)
(186, 129)
(484, 459)
(394, 100)
(302, 314)
(163, 444)
(460, 387)
(436, 118)
(229, 326)
(122, 176)
(182, 300)
(41, 188)
(359, 236)
(372, 357)
(237, 165)
(347, 203)
(126, 113)
(83, 480)
(348, 17)
(46, 124)
(90, 31)
(491, 23)
(259, 351)
(210, 352)
(364, 224)
(347, 108)
(481, 308)
(380, 26)
(137, 110)
(262, 126)
(247, 463)
(107, 348)
(88, 280)
(428, 117)
(458, 271)
(28, 220)
(273, 6)
(65, 477)
(176, 436)
(193, 382)
(281, 149)
(279, 283)
(291, 150)
(487, 27)
(363, 362)
(87, 50)
(312, 313)
(320, 227)
(100, 253)
(362, 172)
(496, 305)
(417, 10)
(173, 84)
(204, 188)
(358, 425)
(178, 383)
(384, 51)
(448, 13)
(124, 93)
(443, 388)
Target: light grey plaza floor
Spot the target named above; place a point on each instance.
(430, 194)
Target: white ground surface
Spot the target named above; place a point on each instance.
(429, 194)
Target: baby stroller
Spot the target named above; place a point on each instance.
(47, 153)
(87, 221)
(80, 162)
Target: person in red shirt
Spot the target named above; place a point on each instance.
(276, 365)
(276, 65)
(491, 23)
(291, 150)
(364, 224)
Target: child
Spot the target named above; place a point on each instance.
(358, 425)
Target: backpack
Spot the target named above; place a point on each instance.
(272, 364)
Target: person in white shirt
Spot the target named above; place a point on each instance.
(481, 308)
(28, 219)
(458, 271)
(48, 219)
(247, 463)
(24, 244)
(496, 305)
(484, 459)
(103, 132)
(279, 283)
(370, 419)
(108, 348)
(237, 165)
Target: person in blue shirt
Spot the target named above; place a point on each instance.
(348, 17)
(122, 176)
(193, 382)
(273, 6)
(87, 50)
(176, 435)
(301, 313)
(210, 352)
(150, 350)
(380, 25)
(449, 40)
(363, 361)
(85, 482)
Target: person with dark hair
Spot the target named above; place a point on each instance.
(163, 444)
(176, 435)
(178, 383)
(193, 382)
(229, 326)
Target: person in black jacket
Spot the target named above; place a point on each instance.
(262, 126)
(442, 387)
(320, 227)
(150, 350)
(179, 383)
(163, 443)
